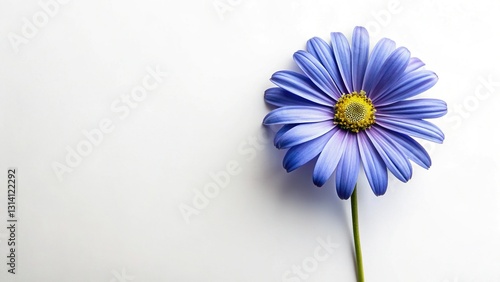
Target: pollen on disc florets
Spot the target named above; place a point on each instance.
(354, 112)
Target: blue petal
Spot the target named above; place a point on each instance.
(409, 85)
(414, 64)
(329, 158)
(342, 55)
(301, 86)
(280, 98)
(394, 159)
(316, 72)
(303, 133)
(379, 54)
(391, 71)
(413, 127)
(298, 114)
(414, 109)
(347, 171)
(360, 50)
(280, 133)
(375, 169)
(301, 154)
(412, 149)
(324, 54)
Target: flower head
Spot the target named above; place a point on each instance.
(352, 108)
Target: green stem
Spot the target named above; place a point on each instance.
(355, 229)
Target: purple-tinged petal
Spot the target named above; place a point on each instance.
(342, 55)
(316, 72)
(394, 159)
(379, 54)
(413, 127)
(414, 109)
(280, 133)
(346, 174)
(375, 169)
(392, 70)
(299, 155)
(409, 85)
(281, 98)
(303, 132)
(298, 114)
(301, 86)
(414, 64)
(412, 149)
(329, 158)
(324, 54)
(360, 51)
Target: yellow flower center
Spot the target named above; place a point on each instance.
(354, 112)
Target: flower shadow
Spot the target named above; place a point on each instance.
(296, 188)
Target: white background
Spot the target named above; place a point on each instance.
(116, 216)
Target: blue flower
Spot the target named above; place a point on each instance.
(352, 109)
